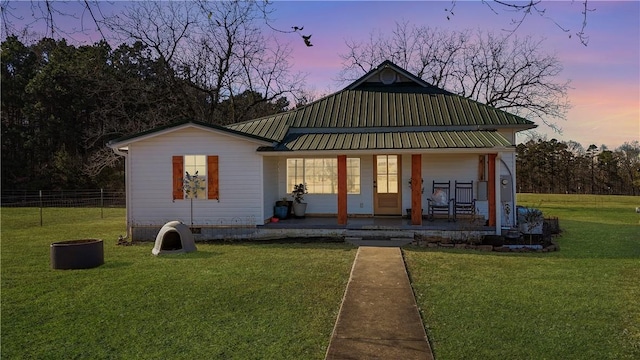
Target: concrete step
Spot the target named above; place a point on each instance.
(381, 242)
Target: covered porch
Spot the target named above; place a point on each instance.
(385, 199)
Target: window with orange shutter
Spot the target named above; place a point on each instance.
(195, 176)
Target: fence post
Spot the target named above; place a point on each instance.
(40, 196)
(101, 203)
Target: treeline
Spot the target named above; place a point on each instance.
(550, 166)
(62, 104)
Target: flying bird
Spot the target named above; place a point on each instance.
(307, 40)
(295, 28)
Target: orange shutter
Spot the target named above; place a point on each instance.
(178, 173)
(213, 189)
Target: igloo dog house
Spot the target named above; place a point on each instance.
(174, 237)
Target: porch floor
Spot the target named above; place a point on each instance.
(377, 223)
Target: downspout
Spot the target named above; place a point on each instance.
(513, 194)
(496, 185)
(127, 193)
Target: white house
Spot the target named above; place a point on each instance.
(356, 150)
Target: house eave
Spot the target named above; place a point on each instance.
(122, 144)
(321, 153)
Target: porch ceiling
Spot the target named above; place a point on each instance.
(393, 140)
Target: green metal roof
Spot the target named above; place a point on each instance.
(377, 113)
(404, 107)
(391, 140)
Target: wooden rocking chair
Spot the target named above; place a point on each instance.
(440, 200)
(464, 203)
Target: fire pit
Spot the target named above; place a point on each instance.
(77, 254)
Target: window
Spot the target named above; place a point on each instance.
(387, 174)
(194, 181)
(321, 174)
(353, 175)
(195, 177)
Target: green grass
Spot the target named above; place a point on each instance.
(241, 301)
(578, 303)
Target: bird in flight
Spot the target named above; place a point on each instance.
(307, 40)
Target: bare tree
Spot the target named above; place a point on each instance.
(521, 10)
(216, 48)
(506, 72)
(54, 13)
(53, 19)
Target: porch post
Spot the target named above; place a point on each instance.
(491, 191)
(416, 189)
(342, 189)
(498, 195)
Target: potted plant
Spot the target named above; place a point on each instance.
(299, 207)
(282, 208)
(192, 185)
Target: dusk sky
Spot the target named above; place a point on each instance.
(605, 75)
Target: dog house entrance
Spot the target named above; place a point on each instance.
(171, 241)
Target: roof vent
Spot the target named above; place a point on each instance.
(388, 76)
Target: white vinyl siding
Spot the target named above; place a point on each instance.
(240, 184)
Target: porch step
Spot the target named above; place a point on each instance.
(380, 242)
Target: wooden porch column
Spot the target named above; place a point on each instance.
(416, 189)
(491, 191)
(342, 189)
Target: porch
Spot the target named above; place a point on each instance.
(382, 228)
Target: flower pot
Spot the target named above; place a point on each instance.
(408, 210)
(299, 209)
(280, 211)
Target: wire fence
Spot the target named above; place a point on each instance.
(43, 199)
(63, 198)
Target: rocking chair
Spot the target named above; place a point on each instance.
(440, 200)
(464, 202)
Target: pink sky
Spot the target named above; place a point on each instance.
(605, 75)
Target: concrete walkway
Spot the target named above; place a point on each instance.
(379, 317)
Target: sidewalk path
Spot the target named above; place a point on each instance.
(379, 318)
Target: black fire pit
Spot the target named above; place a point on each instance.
(77, 254)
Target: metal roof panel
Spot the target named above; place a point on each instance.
(394, 140)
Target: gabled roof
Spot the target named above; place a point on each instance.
(386, 99)
(357, 109)
(125, 140)
(388, 72)
(387, 108)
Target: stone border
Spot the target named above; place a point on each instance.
(430, 243)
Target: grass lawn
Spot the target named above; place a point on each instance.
(275, 301)
(240, 301)
(582, 302)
